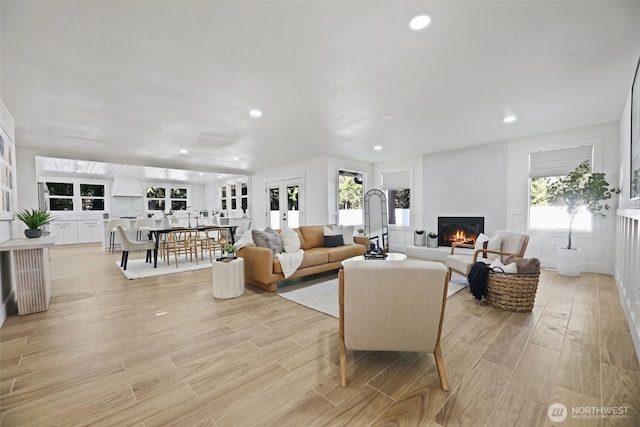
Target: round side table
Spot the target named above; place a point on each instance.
(228, 278)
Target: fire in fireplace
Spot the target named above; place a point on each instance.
(459, 229)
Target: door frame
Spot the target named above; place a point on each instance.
(283, 213)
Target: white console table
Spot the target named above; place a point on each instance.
(30, 264)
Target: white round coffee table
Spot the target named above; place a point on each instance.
(228, 278)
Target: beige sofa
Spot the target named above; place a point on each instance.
(263, 270)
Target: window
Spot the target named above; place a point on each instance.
(78, 196)
(548, 166)
(92, 197)
(178, 199)
(60, 196)
(349, 198)
(167, 198)
(398, 190)
(155, 198)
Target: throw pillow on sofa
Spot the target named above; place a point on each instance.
(266, 239)
(345, 230)
(290, 239)
(333, 237)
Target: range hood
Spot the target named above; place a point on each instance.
(124, 186)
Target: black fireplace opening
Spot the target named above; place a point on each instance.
(459, 229)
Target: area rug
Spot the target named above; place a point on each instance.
(138, 269)
(323, 296)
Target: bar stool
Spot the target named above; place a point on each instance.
(112, 227)
(143, 224)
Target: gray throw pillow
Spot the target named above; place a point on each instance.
(266, 239)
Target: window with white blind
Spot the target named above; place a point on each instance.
(546, 167)
(397, 186)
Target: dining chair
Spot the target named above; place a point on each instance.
(179, 243)
(129, 246)
(112, 227)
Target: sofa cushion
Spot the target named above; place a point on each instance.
(312, 236)
(341, 253)
(312, 257)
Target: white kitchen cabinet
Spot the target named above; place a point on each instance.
(65, 232)
(90, 231)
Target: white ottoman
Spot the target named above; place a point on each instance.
(228, 278)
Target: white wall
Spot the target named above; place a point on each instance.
(467, 182)
(320, 181)
(599, 244)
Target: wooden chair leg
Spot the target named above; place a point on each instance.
(437, 354)
(343, 364)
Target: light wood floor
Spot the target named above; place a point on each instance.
(162, 351)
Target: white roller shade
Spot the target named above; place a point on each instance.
(395, 180)
(558, 162)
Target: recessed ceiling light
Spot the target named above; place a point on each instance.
(200, 173)
(510, 119)
(236, 158)
(419, 22)
(183, 151)
(255, 113)
(377, 147)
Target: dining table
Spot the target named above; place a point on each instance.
(156, 232)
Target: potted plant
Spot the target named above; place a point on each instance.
(230, 250)
(34, 219)
(580, 189)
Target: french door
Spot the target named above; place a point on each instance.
(285, 203)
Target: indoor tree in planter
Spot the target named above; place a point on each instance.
(581, 188)
(34, 219)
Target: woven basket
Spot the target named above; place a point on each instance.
(511, 291)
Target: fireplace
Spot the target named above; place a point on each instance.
(459, 229)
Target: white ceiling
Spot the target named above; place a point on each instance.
(134, 82)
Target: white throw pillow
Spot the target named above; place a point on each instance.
(480, 241)
(509, 268)
(245, 240)
(290, 239)
(332, 230)
(494, 244)
(347, 234)
(484, 242)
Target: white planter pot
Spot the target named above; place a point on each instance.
(569, 261)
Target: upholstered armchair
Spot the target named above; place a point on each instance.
(392, 306)
(132, 246)
(503, 244)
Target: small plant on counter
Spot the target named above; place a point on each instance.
(229, 248)
(34, 219)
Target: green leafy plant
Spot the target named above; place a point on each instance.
(229, 248)
(35, 218)
(581, 188)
